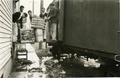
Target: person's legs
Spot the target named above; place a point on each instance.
(47, 32)
(50, 31)
(53, 31)
(19, 35)
(15, 32)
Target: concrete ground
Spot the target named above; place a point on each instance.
(35, 54)
(32, 56)
(72, 68)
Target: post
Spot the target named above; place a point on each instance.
(41, 5)
(33, 7)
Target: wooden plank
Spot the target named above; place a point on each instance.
(4, 16)
(4, 45)
(2, 29)
(4, 35)
(5, 56)
(2, 20)
(3, 5)
(4, 53)
(5, 27)
(38, 27)
(3, 12)
(9, 6)
(5, 31)
(6, 8)
(37, 22)
(5, 60)
(5, 40)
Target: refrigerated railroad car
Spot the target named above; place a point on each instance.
(90, 28)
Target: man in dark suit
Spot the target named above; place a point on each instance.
(17, 18)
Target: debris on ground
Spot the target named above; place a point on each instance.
(54, 69)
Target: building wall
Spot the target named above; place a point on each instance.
(5, 37)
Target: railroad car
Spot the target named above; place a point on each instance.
(90, 28)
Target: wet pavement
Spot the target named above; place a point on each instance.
(39, 68)
(44, 66)
(77, 70)
(32, 56)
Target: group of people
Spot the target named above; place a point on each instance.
(23, 21)
(51, 19)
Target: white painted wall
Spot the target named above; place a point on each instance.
(6, 11)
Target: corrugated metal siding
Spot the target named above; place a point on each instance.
(5, 31)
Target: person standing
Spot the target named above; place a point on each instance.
(52, 19)
(24, 21)
(30, 15)
(42, 14)
(17, 18)
(29, 20)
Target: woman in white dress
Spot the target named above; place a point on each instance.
(26, 22)
(29, 20)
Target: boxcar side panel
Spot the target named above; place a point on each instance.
(92, 24)
(61, 20)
